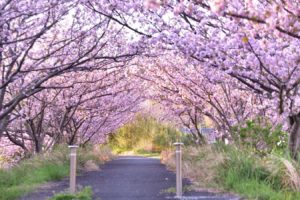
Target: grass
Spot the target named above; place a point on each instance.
(30, 173)
(146, 153)
(172, 190)
(85, 194)
(199, 164)
(240, 171)
(252, 188)
(253, 177)
(25, 177)
(139, 152)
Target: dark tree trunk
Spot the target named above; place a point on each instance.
(38, 145)
(3, 125)
(72, 139)
(294, 138)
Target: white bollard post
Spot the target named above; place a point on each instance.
(178, 169)
(73, 164)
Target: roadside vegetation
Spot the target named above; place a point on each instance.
(254, 166)
(146, 136)
(85, 194)
(30, 173)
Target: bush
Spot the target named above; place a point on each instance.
(261, 137)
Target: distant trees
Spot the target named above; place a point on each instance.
(145, 135)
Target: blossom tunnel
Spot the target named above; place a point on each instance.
(75, 71)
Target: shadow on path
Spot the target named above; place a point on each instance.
(127, 178)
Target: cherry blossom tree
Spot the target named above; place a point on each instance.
(40, 41)
(192, 93)
(227, 60)
(255, 42)
(82, 110)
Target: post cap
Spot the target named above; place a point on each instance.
(73, 146)
(178, 143)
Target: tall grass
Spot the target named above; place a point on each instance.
(285, 169)
(199, 164)
(25, 176)
(240, 171)
(28, 174)
(256, 178)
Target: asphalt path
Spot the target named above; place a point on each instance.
(127, 178)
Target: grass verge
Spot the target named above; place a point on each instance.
(231, 169)
(85, 194)
(140, 152)
(30, 173)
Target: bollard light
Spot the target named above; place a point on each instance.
(73, 163)
(178, 154)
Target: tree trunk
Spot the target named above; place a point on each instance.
(294, 137)
(3, 125)
(38, 145)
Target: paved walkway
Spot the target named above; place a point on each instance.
(126, 178)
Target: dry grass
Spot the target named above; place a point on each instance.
(287, 170)
(90, 165)
(168, 158)
(199, 164)
(104, 153)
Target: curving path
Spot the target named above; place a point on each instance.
(127, 178)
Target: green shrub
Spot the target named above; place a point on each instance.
(260, 136)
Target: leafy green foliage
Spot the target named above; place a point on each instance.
(260, 137)
(85, 194)
(146, 134)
